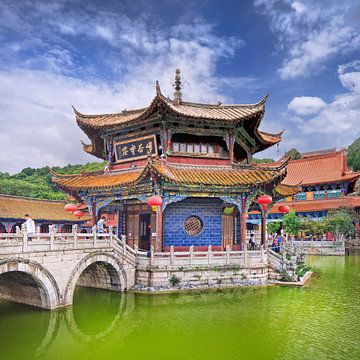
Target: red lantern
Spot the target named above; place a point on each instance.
(264, 207)
(154, 201)
(70, 207)
(78, 213)
(284, 209)
(264, 200)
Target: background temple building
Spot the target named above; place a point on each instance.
(326, 183)
(43, 212)
(195, 156)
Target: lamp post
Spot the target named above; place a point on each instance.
(264, 201)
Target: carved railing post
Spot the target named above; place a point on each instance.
(191, 254)
(209, 254)
(151, 255)
(245, 255)
(94, 234)
(227, 254)
(75, 235)
(25, 239)
(262, 253)
(172, 255)
(110, 235)
(52, 236)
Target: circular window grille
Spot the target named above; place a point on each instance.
(193, 225)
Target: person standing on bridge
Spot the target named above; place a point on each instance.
(100, 226)
(29, 226)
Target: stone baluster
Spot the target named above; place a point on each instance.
(25, 239)
(209, 254)
(110, 235)
(262, 253)
(191, 254)
(172, 255)
(94, 234)
(227, 254)
(37, 231)
(75, 235)
(52, 236)
(245, 255)
(152, 255)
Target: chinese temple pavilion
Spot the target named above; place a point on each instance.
(325, 183)
(197, 157)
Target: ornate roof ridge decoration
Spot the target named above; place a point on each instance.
(233, 116)
(223, 106)
(182, 176)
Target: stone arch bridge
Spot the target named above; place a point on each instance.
(44, 270)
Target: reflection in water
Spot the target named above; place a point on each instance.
(22, 330)
(94, 313)
(318, 321)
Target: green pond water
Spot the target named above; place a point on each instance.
(318, 321)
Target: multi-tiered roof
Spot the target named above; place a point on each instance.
(238, 124)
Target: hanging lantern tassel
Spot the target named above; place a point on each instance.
(154, 208)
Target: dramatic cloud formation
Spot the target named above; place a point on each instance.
(311, 32)
(36, 94)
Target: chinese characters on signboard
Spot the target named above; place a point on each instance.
(135, 149)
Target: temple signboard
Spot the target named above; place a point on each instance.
(135, 148)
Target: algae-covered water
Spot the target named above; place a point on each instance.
(319, 321)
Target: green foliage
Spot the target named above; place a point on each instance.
(302, 270)
(353, 155)
(340, 224)
(36, 183)
(313, 227)
(174, 280)
(285, 276)
(293, 154)
(262, 161)
(291, 223)
(273, 227)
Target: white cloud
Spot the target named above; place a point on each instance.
(36, 94)
(298, 7)
(312, 32)
(306, 105)
(104, 32)
(335, 124)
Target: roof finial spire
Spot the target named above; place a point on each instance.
(157, 87)
(177, 86)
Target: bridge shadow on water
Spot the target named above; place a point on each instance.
(27, 332)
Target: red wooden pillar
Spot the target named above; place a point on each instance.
(159, 229)
(263, 226)
(243, 218)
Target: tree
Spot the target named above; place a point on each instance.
(313, 227)
(291, 223)
(340, 224)
(273, 227)
(293, 154)
(353, 155)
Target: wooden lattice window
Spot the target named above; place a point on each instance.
(193, 225)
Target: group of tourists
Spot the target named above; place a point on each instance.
(277, 242)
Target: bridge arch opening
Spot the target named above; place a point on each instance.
(28, 283)
(99, 271)
(21, 287)
(100, 275)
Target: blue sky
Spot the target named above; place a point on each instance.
(104, 56)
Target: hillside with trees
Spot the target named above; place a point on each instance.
(36, 183)
(353, 154)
